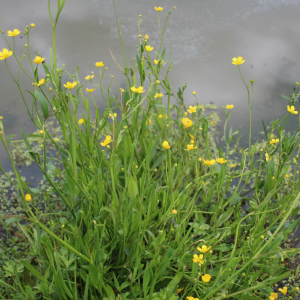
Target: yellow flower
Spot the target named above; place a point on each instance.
(238, 61)
(70, 85)
(206, 278)
(174, 212)
(233, 165)
(185, 113)
(159, 9)
(284, 290)
(89, 77)
(166, 145)
(292, 110)
(274, 141)
(187, 122)
(106, 141)
(5, 54)
(13, 33)
(192, 109)
(261, 149)
(192, 137)
(138, 90)
(149, 122)
(115, 114)
(198, 259)
(190, 147)
(209, 162)
(267, 157)
(38, 60)
(90, 90)
(191, 298)
(1, 117)
(273, 296)
(80, 121)
(221, 160)
(229, 106)
(203, 249)
(179, 290)
(28, 197)
(194, 93)
(99, 64)
(287, 175)
(160, 116)
(262, 237)
(146, 37)
(56, 139)
(158, 61)
(41, 131)
(32, 25)
(148, 48)
(158, 95)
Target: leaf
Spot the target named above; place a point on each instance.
(43, 103)
(224, 217)
(33, 271)
(132, 188)
(61, 4)
(285, 97)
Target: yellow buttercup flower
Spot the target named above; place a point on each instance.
(190, 147)
(80, 121)
(1, 118)
(32, 25)
(209, 162)
(5, 54)
(146, 37)
(268, 158)
(166, 145)
(159, 9)
(28, 197)
(274, 141)
(70, 85)
(41, 131)
(192, 109)
(233, 165)
(115, 115)
(38, 60)
(89, 77)
(287, 176)
(148, 48)
(41, 82)
(174, 212)
(194, 93)
(198, 259)
(192, 137)
(160, 116)
(158, 61)
(284, 290)
(158, 95)
(238, 61)
(203, 249)
(15, 32)
(191, 298)
(179, 290)
(138, 90)
(221, 160)
(99, 64)
(206, 278)
(106, 141)
(90, 90)
(292, 110)
(229, 106)
(149, 122)
(187, 122)
(273, 296)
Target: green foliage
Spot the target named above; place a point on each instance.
(119, 216)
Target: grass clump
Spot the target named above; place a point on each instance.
(139, 201)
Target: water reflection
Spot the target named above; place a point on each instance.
(202, 36)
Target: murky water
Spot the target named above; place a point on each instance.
(202, 36)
